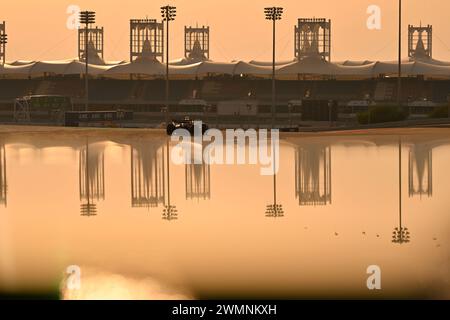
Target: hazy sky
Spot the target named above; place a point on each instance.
(37, 29)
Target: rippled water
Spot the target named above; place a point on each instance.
(140, 226)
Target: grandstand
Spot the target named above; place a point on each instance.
(139, 85)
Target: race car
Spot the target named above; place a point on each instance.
(186, 124)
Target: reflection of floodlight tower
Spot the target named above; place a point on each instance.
(3, 42)
(147, 176)
(198, 181)
(274, 14)
(86, 18)
(313, 39)
(420, 171)
(91, 179)
(274, 210)
(420, 42)
(401, 234)
(170, 211)
(3, 183)
(168, 14)
(196, 43)
(313, 175)
(146, 40)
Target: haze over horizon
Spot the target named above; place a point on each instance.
(37, 30)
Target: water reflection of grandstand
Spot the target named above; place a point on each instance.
(313, 175)
(3, 183)
(198, 181)
(420, 170)
(147, 175)
(91, 178)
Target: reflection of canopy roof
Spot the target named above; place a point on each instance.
(307, 66)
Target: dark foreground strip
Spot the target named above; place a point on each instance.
(259, 310)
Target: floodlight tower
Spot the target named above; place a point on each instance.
(196, 43)
(399, 80)
(273, 14)
(3, 42)
(168, 14)
(420, 42)
(146, 40)
(86, 18)
(313, 39)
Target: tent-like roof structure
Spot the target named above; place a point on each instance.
(154, 68)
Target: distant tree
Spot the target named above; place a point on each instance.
(381, 114)
(439, 113)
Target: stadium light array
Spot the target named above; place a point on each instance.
(168, 14)
(273, 14)
(86, 18)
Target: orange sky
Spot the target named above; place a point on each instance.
(37, 29)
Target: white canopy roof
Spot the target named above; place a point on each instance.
(308, 66)
(147, 67)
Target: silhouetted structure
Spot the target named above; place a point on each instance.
(313, 175)
(196, 43)
(146, 40)
(3, 181)
(91, 179)
(273, 14)
(401, 234)
(147, 175)
(168, 14)
(420, 170)
(95, 45)
(3, 42)
(170, 211)
(198, 180)
(420, 42)
(275, 209)
(313, 39)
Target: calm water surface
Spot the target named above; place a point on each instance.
(140, 226)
